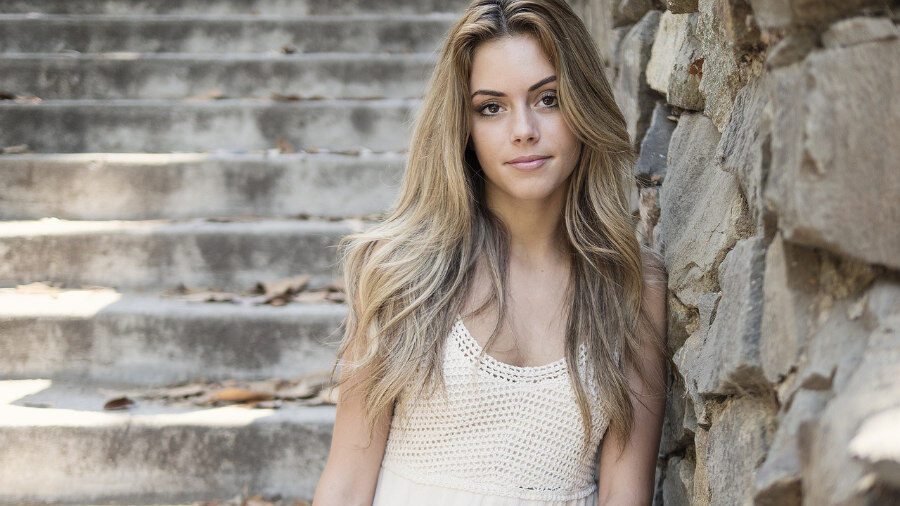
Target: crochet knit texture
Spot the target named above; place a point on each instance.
(500, 430)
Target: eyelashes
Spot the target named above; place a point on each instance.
(494, 106)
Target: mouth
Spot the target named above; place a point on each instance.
(528, 162)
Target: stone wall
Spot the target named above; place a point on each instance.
(769, 180)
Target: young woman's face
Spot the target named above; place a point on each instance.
(516, 117)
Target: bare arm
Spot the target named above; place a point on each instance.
(351, 472)
(627, 468)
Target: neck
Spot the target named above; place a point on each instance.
(536, 229)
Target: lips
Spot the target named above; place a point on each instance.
(529, 158)
(528, 162)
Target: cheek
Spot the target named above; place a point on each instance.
(483, 137)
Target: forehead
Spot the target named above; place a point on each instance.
(509, 63)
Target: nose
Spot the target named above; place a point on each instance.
(524, 126)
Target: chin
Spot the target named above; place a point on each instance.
(531, 193)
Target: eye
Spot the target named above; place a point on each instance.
(550, 99)
(492, 108)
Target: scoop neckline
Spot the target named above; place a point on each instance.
(523, 368)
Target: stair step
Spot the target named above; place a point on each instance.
(290, 7)
(67, 126)
(101, 334)
(75, 452)
(135, 186)
(175, 76)
(162, 254)
(400, 33)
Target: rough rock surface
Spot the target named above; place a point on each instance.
(774, 14)
(632, 93)
(726, 32)
(681, 6)
(651, 163)
(846, 118)
(774, 214)
(676, 64)
(703, 212)
(738, 440)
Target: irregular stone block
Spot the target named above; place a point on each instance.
(631, 91)
(701, 495)
(831, 474)
(702, 211)
(729, 358)
(738, 440)
(678, 410)
(772, 14)
(882, 302)
(629, 11)
(676, 63)
(833, 180)
(679, 483)
(681, 6)
(651, 163)
(792, 48)
(736, 23)
(681, 318)
(778, 480)
(791, 285)
(722, 74)
(686, 360)
(833, 352)
(744, 146)
(878, 446)
(858, 30)
(614, 38)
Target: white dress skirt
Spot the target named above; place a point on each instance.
(502, 435)
(394, 489)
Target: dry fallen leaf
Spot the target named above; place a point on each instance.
(306, 386)
(284, 146)
(183, 391)
(232, 394)
(293, 97)
(27, 99)
(311, 297)
(288, 285)
(118, 403)
(336, 296)
(18, 149)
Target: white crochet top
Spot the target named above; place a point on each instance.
(501, 430)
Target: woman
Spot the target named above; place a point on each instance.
(511, 245)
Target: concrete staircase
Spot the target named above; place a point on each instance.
(199, 143)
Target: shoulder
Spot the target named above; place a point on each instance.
(655, 283)
(653, 268)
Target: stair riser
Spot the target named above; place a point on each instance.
(288, 7)
(160, 127)
(149, 259)
(160, 343)
(59, 77)
(99, 34)
(145, 464)
(105, 188)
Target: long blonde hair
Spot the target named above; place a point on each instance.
(408, 276)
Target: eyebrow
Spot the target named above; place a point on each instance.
(548, 79)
